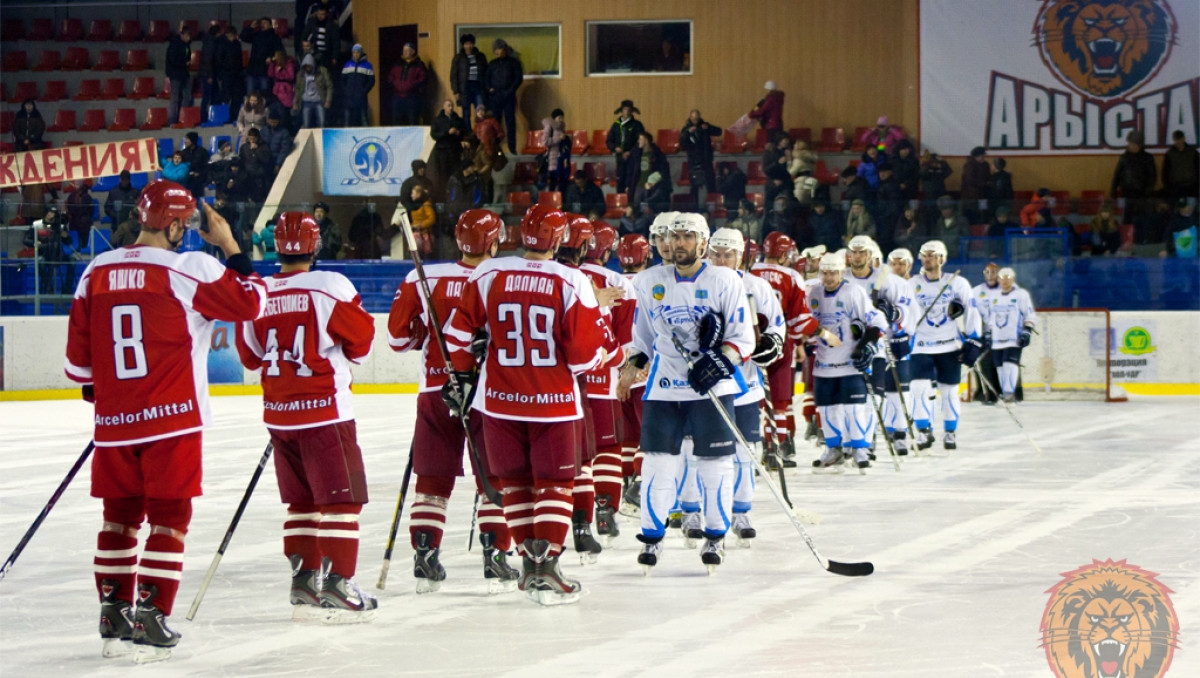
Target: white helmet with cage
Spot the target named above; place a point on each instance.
(728, 238)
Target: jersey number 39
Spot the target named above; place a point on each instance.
(539, 335)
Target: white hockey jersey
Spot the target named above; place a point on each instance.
(1006, 314)
(666, 304)
(834, 311)
(939, 333)
(892, 288)
(763, 302)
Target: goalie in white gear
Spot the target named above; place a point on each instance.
(844, 311)
(1010, 319)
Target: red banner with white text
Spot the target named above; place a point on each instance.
(73, 163)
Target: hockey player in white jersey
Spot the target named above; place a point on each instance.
(983, 293)
(704, 307)
(940, 348)
(659, 230)
(1010, 318)
(901, 261)
(890, 295)
(845, 312)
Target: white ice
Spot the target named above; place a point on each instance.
(964, 547)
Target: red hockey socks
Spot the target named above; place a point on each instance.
(491, 519)
(607, 473)
(518, 509)
(627, 454)
(584, 492)
(429, 508)
(116, 547)
(552, 512)
(338, 537)
(300, 535)
(162, 562)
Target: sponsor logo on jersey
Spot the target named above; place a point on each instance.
(297, 405)
(664, 383)
(530, 399)
(1109, 619)
(1136, 341)
(147, 414)
(658, 292)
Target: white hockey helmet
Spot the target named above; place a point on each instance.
(814, 252)
(935, 247)
(692, 223)
(662, 223)
(833, 262)
(728, 238)
(901, 254)
(876, 254)
(861, 243)
(1007, 272)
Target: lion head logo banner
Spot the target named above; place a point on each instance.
(1109, 619)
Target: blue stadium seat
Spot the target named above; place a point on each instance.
(214, 144)
(166, 147)
(138, 180)
(218, 116)
(105, 184)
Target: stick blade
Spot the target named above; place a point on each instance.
(851, 569)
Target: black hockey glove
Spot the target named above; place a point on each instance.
(971, 350)
(864, 353)
(890, 313)
(767, 350)
(458, 391)
(711, 330)
(1025, 338)
(89, 393)
(479, 346)
(955, 309)
(900, 346)
(708, 370)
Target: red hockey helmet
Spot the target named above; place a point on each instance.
(477, 230)
(542, 227)
(633, 250)
(579, 232)
(297, 233)
(778, 246)
(605, 238)
(162, 202)
(750, 256)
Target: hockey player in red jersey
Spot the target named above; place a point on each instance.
(438, 439)
(139, 333)
(314, 328)
(545, 329)
(633, 253)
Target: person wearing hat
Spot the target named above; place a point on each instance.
(121, 199)
(196, 156)
(883, 134)
(358, 78)
(314, 93)
(976, 183)
(1134, 177)
(278, 138)
(1037, 205)
(645, 160)
(407, 78)
(467, 71)
(769, 111)
(623, 138)
(331, 235)
(502, 78)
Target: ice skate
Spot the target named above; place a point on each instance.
(549, 586)
(693, 529)
(606, 522)
(585, 544)
(742, 529)
(631, 498)
(811, 431)
(829, 463)
(344, 602)
(770, 461)
(949, 442)
(862, 460)
(787, 451)
(901, 446)
(116, 621)
(152, 638)
(675, 520)
(427, 567)
(500, 576)
(651, 550)
(712, 553)
(527, 566)
(924, 439)
(1009, 397)
(305, 595)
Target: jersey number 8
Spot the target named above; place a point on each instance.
(541, 350)
(128, 346)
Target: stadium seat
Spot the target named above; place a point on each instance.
(535, 142)
(193, 27)
(77, 59)
(100, 30)
(732, 143)
(829, 140)
(124, 119)
(550, 197)
(166, 147)
(1090, 201)
(189, 116)
(214, 143)
(25, 90)
(218, 116)
(160, 31)
(682, 202)
(130, 31)
(8, 147)
(93, 120)
(579, 142)
(1020, 200)
(667, 140)
(136, 60)
(56, 90)
(143, 88)
(6, 121)
(757, 199)
(824, 175)
(165, 93)
(615, 204)
(88, 90)
(519, 202)
(12, 30)
(50, 60)
(281, 27)
(107, 60)
(42, 29)
(760, 141)
(685, 177)
(1062, 202)
(64, 121)
(16, 60)
(715, 205)
(524, 173)
(114, 88)
(800, 134)
(156, 119)
(856, 144)
(599, 141)
(754, 173)
(194, 61)
(596, 171)
(71, 30)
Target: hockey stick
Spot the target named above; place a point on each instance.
(37, 522)
(773, 444)
(879, 415)
(474, 518)
(912, 434)
(391, 543)
(936, 297)
(836, 567)
(237, 515)
(987, 385)
(477, 465)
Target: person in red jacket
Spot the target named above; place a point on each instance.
(407, 79)
(769, 111)
(1029, 213)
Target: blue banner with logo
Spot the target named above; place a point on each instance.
(369, 161)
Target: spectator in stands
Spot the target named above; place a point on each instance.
(558, 152)
(997, 230)
(121, 199)
(282, 72)
(1181, 168)
(407, 79)
(854, 186)
(175, 168)
(464, 191)
(227, 67)
(228, 211)
(504, 75)
(264, 242)
(367, 234)
(824, 226)
(423, 218)
(1181, 235)
(696, 139)
(782, 217)
(331, 235)
(775, 151)
(623, 138)
(670, 60)
(1134, 176)
(778, 182)
(277, 139)
(219, 162)
(54, 249)
(210, 91)
(197, 159)
(179, 54)
(1105, 230)
(868, 167)
(906, 168)
(1002, 188)
(654, 196)
(80, 208)
(645, 159)
(467, 72)
(488, 130)
(263, 44)
(906, 232)
(802, 160)
(1037, 205)
(747, 221)
(976, 183)
(583, 196)
(732, 185)
(934, 172)
(769, 111)
(358, 78)
(949, 226)
(889, 205)
(858, 221)
(417, 177)
(323, 32)
(883, 134)
(252, 116)
(259, 165)
(634, 222)
(316, 93)
(449, 132)
(28, 128)
(236, 184)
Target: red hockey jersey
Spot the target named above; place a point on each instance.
(544, 328)
(314, 327)
(446, 282)
(789, 287)
(602, 381)
(140, 329)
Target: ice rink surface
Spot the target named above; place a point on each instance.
(965, 548)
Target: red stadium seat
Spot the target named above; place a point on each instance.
(524, 174)
(1090, 202)
(160, 31)
(93, 120)
(136, 60)
(829, 140)
(143, 88)
(194, 61)
(519, 202)
(856, 144)
(100, 30)
(43, 29)
(50, 60)
(715, 205)
(107, 60)
(6, 121)
(25, 90)
(71, 30)
(12, 30)
(77, 59)
(114, 88)
(156, 119)
(800, 134)
(599, 141)
(760, 141)
(732, 143)
(615, 204)
(596, 171)
(16, 60)
(1020, 200)
(682, 202)
(189, 116)
(130, 31)
(579, 142)
(124, 119)
(281, 27)
(824, 175)
(1062, 202)
(64, 121)
(667, 140)
(193, 27)
(550, 197)
(56, 90)
(535, 142)
(754, 173)
(88, 90)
